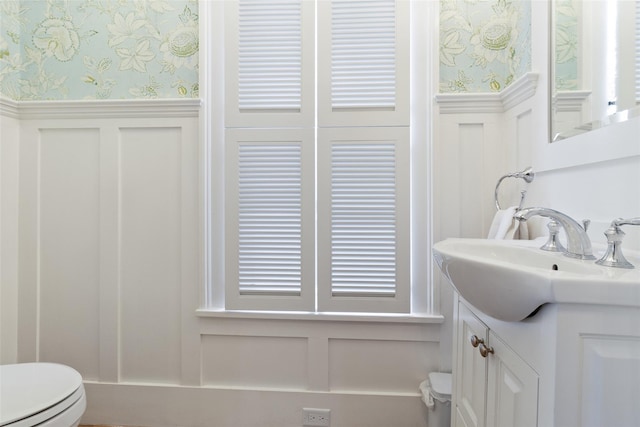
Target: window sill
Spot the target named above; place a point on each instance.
(328, 317)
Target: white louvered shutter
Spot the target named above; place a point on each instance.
(363, 156)
(363, 220)
(270, 220)
(269, 176)
(360, 261)
(363, 62)
(269, 63)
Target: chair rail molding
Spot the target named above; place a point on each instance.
(100, 109)
(8, 108)
(516, 93)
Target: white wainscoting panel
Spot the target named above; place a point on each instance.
(255, 362)
(469, 159)
(9, 150)
(149, 240)
(335, 356)
(110, 243)
(478, 140)
(68, 253)
(369, 365)
(111, 273)
(523, 138)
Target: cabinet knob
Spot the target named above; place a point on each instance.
(484, 350)
(475, 341)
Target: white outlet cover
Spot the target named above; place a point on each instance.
(313, 417)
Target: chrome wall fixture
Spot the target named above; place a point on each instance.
(527, 175)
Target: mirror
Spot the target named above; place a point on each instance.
(595, 67)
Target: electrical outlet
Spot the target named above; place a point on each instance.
(312, 417)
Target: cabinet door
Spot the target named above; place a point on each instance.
(470, 371)
(512, 389)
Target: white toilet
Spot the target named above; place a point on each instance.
(40, 394)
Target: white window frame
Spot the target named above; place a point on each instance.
(637, 51)
(423, 294)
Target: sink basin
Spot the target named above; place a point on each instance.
(510, 279)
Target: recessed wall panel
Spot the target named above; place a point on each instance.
(248, 361)
(380, 366)
(68, 248)
(9, 151)
(150, 242)
(524, 133)
(471, 166)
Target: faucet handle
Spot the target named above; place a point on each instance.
(553, 244)
(631, 221)
(613, 257)
(586, 223)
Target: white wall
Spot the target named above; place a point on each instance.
(9, 149)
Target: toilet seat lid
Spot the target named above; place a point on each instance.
(28, 388)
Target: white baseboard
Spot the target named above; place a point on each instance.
(169, 406)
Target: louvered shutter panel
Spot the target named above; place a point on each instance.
(363, 54)
(270, 220)
(270, 60)
(363, 219)
(363, 62)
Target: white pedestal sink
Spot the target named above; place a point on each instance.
(510, 279)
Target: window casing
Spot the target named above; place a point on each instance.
(317, 181)
(637, 51)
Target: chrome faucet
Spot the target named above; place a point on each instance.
(578, 243)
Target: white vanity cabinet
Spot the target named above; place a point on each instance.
(574, 365)
(493, 386)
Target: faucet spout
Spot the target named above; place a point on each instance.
(578, 243)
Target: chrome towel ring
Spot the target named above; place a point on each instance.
(527, 174)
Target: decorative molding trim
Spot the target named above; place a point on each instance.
(519, 91)
(570, 101)
(460, 103)
(101, 109)
(9, 108)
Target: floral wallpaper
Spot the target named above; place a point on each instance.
(566, 44)
(119, 49)
(484, 44)
(98, 49)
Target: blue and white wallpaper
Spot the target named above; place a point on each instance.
(131, 49)
(566, 44)
(98, 49)
(484, 44)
